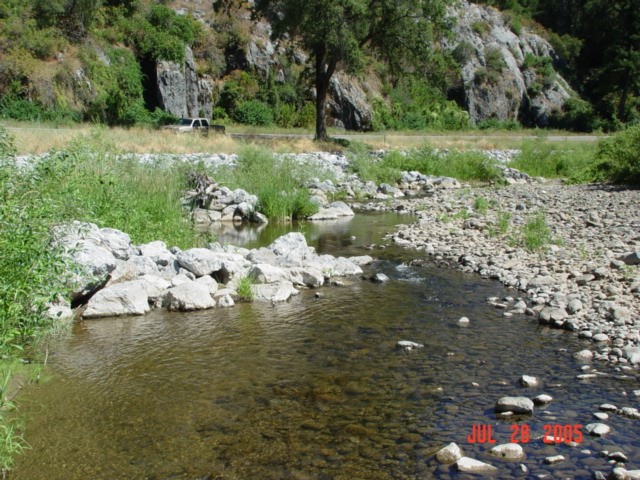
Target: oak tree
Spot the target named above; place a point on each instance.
(341, 33)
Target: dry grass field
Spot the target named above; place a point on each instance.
(33, 139)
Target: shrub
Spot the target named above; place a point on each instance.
(577, 115)
(463, 52)
(618, 157)
(495, 124)
(253, 112)
(306, 116)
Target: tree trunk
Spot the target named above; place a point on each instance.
(624, 95)
(324, 72)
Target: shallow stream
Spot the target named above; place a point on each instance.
(315, 388)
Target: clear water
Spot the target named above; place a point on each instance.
(314, 388)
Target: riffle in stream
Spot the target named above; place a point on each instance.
(315, 388)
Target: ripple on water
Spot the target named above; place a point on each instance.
(314, 388)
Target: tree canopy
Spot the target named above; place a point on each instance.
(339, 33)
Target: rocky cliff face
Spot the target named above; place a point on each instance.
(506, 76)
(180, 91)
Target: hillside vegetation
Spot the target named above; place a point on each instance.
(101, 61)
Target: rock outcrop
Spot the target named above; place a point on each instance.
(505, 75)
(180, 91)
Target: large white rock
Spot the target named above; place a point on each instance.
(200, 261)
(449, 454)
(265, 273)
(514, 404)
(154, 286)
(93, 259)
(119, 243)
(508, 451)
(209, 282)
(273, 293)
(143, 265)
(286, 244)
(469, 465)
(158, 252)
(188, 296)
(127, 298)
(306, 276)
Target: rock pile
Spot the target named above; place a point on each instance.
(210, 203)
(114, 277)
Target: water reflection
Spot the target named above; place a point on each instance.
(313, 388)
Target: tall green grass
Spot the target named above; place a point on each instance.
(572, 161)
(89, 181)
(463, 165)
(86, 181)
(278, 182)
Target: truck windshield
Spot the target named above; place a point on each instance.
(186, 121)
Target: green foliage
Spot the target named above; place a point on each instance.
(536, 234)
(30, 272)
(253, 112)
(239, 86)
(94, 185)
(417, 105)
(117, 87)
(577, 115)
(244, 288)
(465, 166)
(277, 181)
(480, 28)
(463, 52)
(481, 205)
(618, 157)
(501, 227)
(495, 124)
(160, 33)
(541, 158)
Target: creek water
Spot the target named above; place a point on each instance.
(315, 388)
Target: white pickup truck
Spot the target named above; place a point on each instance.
(195, 125)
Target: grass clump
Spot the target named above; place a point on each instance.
(463, 165)
(481, 205)
(90, 182)
(278, 182)
(244, 288)
(536, 234)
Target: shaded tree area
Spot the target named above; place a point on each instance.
(340, 34)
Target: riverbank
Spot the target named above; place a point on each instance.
(570, 251)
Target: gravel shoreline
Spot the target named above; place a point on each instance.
(587, 280)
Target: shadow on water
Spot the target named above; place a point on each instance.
(313, 388)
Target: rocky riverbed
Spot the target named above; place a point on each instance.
(585, 279)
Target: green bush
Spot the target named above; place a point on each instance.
(160, 33)
(577, 115)
(286, 115)
(618, 157)
(306, 116)
(418, 105)
(253, 112)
